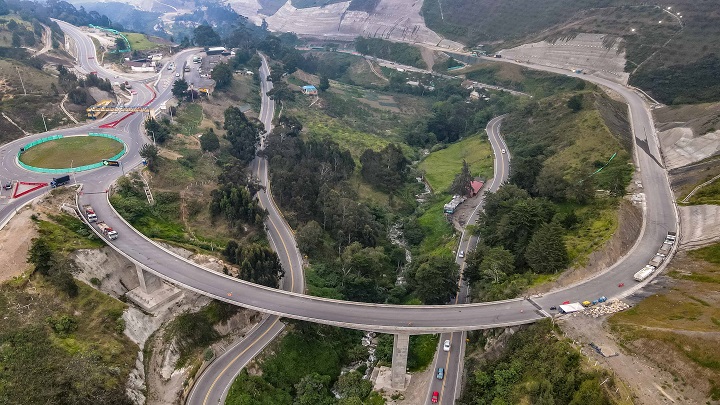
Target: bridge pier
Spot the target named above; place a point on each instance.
(148, 282)
(399, 374)
(152, 291)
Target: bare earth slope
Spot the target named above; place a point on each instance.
(398, 20)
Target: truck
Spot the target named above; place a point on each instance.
(644, 273)
(90, 213)
(671, 236)
(657, 260)
(570, 308)
(107, 231)
(59, 181)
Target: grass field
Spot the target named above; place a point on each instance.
(71, 152)
(189, 118)
(680, 323)
(439, 238)
(710, 194)
(139, 42)
(442, 166)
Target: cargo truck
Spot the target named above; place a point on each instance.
(59, 181)
(107, 231)
(644, 273)
(657, 260)
(90, 213)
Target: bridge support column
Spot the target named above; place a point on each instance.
(148, 282)
(151, 292)
(399, 361)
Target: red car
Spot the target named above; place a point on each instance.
(434, 398)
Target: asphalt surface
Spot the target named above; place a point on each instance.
(660, 218)
(452, 362)
(214, 382)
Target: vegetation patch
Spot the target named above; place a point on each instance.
(69, 152)
(709, 194)
(65, 233)
(536, 367)
(139, 42)
(304, 366)
(680, 322)
(441, 167)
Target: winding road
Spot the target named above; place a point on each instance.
(659, 218)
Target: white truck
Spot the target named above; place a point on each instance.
(644, 273)
(90, 213)
(107, 231)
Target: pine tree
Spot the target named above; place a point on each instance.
(546, 253)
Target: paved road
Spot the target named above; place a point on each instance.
(660, 218)
(213, 385)
(452, 362)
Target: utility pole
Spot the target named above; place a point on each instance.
(21, 80)
(44, 123)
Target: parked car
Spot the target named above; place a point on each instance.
(440, 373)
(446, 346)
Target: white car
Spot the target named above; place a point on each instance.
(446, 346)
(177, 74)
(461, 254)
(503, 151)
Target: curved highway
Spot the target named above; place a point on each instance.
(213, 385)
(660, 217)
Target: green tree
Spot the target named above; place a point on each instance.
(260, 265)
(387, 169)
(180, 88)
(575, 103)
(324, 83)
(156, 131)
(546, 253)
(41, 255)
(461, 185)
(209, 141)
(497, 264)
(222, 73)
(4, 10)
(120, 44)
(353, 384)
(204, 35)
(151, 155)
(436, 279)
(313, 390)
(281, 92)
(16, 40)
(310, 237)
(243, 134)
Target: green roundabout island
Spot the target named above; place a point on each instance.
(70, 153)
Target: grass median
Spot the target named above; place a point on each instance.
(71, 152)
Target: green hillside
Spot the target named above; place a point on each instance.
(673, 58)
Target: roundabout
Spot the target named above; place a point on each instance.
(70, 153)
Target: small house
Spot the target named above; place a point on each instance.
(310, 90)
(476, 187)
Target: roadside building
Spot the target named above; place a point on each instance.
(310, 90)
(476, 187)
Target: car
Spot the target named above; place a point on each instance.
(446, 346)
(435, 397)
(440, 373)
(91, 57)
(177, 74)
(502, 150)
(586, 303)
(553, 308)
(8, 185)
(133, 92)
(565, 302)
(461, 254)
(269, 78)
